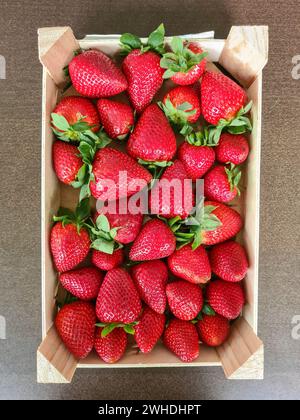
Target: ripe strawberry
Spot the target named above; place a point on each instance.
(69, 240)
(232, 149)
(150, 279)
(109, 167)
(185, 64)
(185, 299)
(66, 161)
(74, 117)
(221, 183)
(152, 138)
(105, 261)
(118, 300)
(155, 241)
(95, 75)
(197, 160)
(173, 195)
(149, 329)
(182, 339)
(83, 283)
(111, 347)
(116, 117)
(213, 330)
(227, 299)
(142, 67)
(75, 323)
(221, 98)
(181, 105)
(190, 265)
(229, 261)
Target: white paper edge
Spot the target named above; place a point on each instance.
(202, 35)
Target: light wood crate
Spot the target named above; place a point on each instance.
(244, 54)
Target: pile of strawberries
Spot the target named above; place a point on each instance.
(175, 275)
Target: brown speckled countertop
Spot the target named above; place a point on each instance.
(20, 100)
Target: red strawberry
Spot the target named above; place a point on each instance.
(221, 97)
(83, 283)
(155, 241)
(111, 347)
(118, 300)
(186, 64)
(185, 299)
(197, 160)
(149, 329)
(66, 161)
(227, 299)
(95, 75)
(142, 67)
(213, 330)
(150, 279)
(75, 323)
(181, 105)
(182, 339)
(232, 149)
(128, 224)
(109, 167)
(229, 261)
(116, 117)
(152, 138)
(191, 265)
(70, 111)
(173, 195)
(221, 183)
(107, 262)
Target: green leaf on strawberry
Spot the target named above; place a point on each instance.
(155, 42)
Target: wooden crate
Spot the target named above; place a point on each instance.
(243, 54)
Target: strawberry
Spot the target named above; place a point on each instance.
(118, 300)
(229, 261)
(66, 161)
(196, 154)
(111, 347)
(109, 167)
(226, 299)
(221, 183)
(155, 241)
(75, 117)
(105, 261)
(213, 330)
(150, 279)
(152, 139)
(75, 324)
(149, 329)
(185, 64)
(190, 265)
(69, 240)
(182, 339)
(116, 117)
(185, 299)
(181, 105)
(142, 67)
(173, 195)
(232, 149)
(223, 103)
(83, 283)
(95, 75)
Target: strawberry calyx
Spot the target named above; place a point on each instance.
(178, 115)
(201, 138)
(206, 310)
(237, 125)
(156, 168)
(109, 327)
(102, 235)
(81, 130)
(78, 217)
(154, 43)
(180, 59)
(234, 174)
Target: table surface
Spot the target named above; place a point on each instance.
(20, 105)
